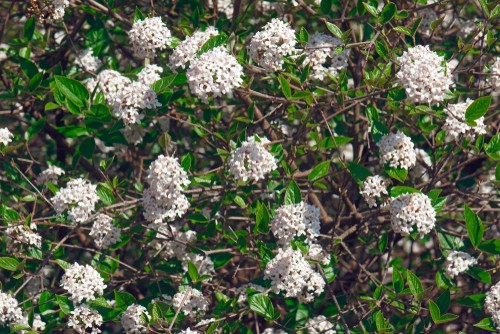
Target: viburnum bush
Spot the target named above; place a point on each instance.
(285, 166)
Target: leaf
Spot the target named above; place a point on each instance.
(304, 35)
(493, 147)
(388, 12)
(326, 6)
(87, 148)
(35, 81)
(319, 171)
(63, 303)
(73, 90)
(397, 173)
(262, 305)
(138, 15)
(443, 301)
(415, 285)
(397, 281)
(403, 30)
(358, 172)
(156, 313)
(212, 43)
(285, 87)
(490, 246)
(399, 190)
(105, 195)
(475, 227)
(479, 274)
(240, 201)
(123, 300)
(434, 311)
(262, 219)
(8, 263)
(486, 324)
(292, 194)
(193, 272)
(34, 129)
(63, 264)
(477, 109)
(370, 9)
(29, 29)
(334, 30)
(446, 318)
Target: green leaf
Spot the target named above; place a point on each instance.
(304, 35)
(479, 274)
(319, 171)
(358, 172)
(87, 148)
(493, 147)
(443, 301)
(285, 87)
(446, 318)
(138, 15)
(397, 173)
(399, 190)
(415, 285)
(262, 305)
(123, 300)
(262, 219)
(403, 30)
(35, 81)
(63, 264)
(388, 12)
(334, 30)
(8, 263)
(212, 43)
(105, 195)
(397, 281)
(434, 310)
(490, 246)
(477, 109)
(292, 194)
(326, 6)
(240, 201)
(193, 272)
(156, 313)
(370, 9)
(34, 129)
(29, 29)
(475, 227)
(63, 303)
(486, 324)
(73, 90)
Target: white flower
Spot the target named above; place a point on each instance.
(79, 198)
(458, 262)
(10, 312)
(38, 323)
(132, 99)
(252, 161)
(111, 83)
(103, 231)
(291, 274)
(424, 75)
(132, 320)
(294, 220)
(495, 74)
(83, 317)
(456, 125)
(492, 304)
(148, 35)
(5, 136)
(51, 174)
(83, 283)
(397, 150)
(373, 188)
(411, 212)
(319, 324)
(317, 253)
(214, 74)
(275, 41)
(87, 60)
(19, 235)
(53, 11)
(188, 331)
(149, 74)
(3, 51)
(320, 51)
(186, 51)
(191, 302)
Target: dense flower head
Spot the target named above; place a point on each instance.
(319, 324)
(10, 312)
(149, 74)
(412, 212)
(492, 304)
(456, 125)
(83, 283)
(191, 302)
(374, 187)
(296, 220)
(397, 150)
(291, 274)
(5, 136)
(19, 235)
(84, 318)
(275, 41)
(214, 74)
(185, 52)
(458, 262)
(51, 174)
(79, 197)
(132, 100)
(88, 61)
(495, 74)
(148, 35)
(103, 231)
(111, 83)
(424, 75)
(132, 320)
(53, 11)
(252, 161)
(320, 51)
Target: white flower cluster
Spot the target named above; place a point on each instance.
(38, 323)
(5, 136)
(79, 198)
(214, 73)
(290, 273)
(319, 324)
(51, 174)
(373, 188)
(320, 51)
(132, 320)
(242, 291)
(185, 52)
(149, 74)
(10, 312)
(192, 305)
(188, 331)
(492, 304)
(87, 60)
(424, 75)
(148, 35)
(82, 283)
(273, 331)
(4, 48)
(495, 74)
(456, 125)
(412, 210)
(275, 41)
(252, 161)
(103, 231)
(19, 235)
(54, 11)
(111, 83)
(164, 198)
(458, 262)
(83, 317)
(132, 99)
(295, 220)
(397, 150)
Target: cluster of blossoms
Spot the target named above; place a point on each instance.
(295, 220)
(51, 174)
(185, 52)
(82, 283)
(148, 35)
(456, 125)
(5, 136)
(134, 98)
(290, 273)
(495, 74)
(111, 83)
(412, 210)
(132, 320)
(252, 161)
(38, 323)
(19, 235)
(397, 150)
(319, 324)
(10, 312)
(149, 74)
(492, 304)
(52, 10)
(268, 46)
(424, 75)
(164, 198)
(191, 302)
(374, 187)
(88, 61)
(84, 317)
(214, 73)
(320, 51)
(458, 262)
(79, 197)
(104, 232)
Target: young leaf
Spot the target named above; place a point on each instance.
(486, 324)
(193, 272)
(319, 171)
(334, 30)
(292, 194)
(434, 310)
(8, 263)
(477, 109)
(285, 87)
(475, 227)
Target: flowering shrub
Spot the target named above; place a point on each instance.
(289, 166)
